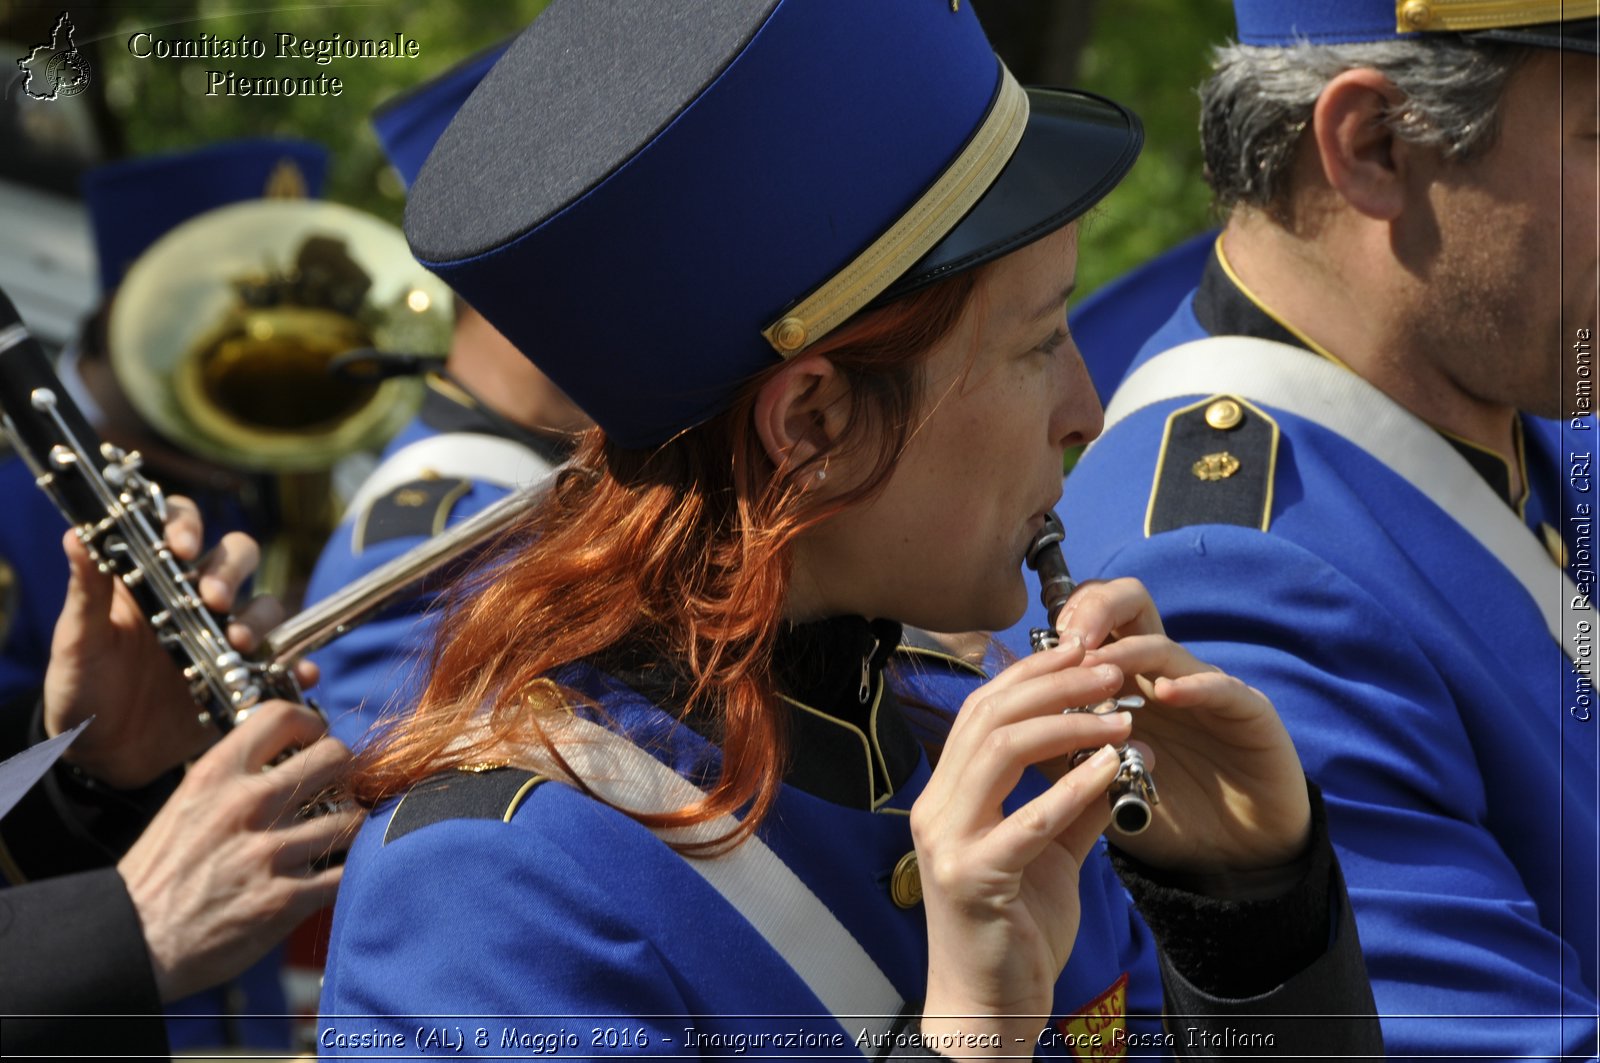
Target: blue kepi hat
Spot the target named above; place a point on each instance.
(1566, 24)
(655, 203)
(408, 125)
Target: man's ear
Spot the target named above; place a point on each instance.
(1363, 160)
(801, 410)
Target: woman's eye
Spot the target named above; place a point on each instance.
(1053, 344)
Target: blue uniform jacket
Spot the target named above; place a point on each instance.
(530, 919)
(1455, 744)
(550, 922)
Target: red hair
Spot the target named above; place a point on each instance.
(682, 551)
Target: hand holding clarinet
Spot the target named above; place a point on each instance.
(1001, 887)
(1234, 788)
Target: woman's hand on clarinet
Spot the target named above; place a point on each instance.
(1001, 890)
(1233, 793)
(105, 661)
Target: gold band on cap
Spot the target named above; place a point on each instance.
(961, 185)
(1414, 16)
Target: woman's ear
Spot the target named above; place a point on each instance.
(1362, 159)
(800, 411)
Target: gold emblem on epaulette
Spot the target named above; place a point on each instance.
(481, 766)
(410, 496)
(905, 884)
(1218, 466)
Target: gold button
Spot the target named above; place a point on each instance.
(1416, 14)
(1218, 466)
(1224, 414)
(905, 885)
(790, 335)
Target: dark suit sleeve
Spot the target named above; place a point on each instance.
(1280, 975)
(68, 822)
(76, 978)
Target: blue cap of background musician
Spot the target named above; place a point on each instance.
(408, 125)
(135, 202)
(1568, 24)
(658, 205)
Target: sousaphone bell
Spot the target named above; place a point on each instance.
(224, 335)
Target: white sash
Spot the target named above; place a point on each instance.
(1299, 382)
(751, 877)
(456, 455)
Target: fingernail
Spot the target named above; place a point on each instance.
(1070, 642)
(213, 587)
(185, 542)
(1104, 757)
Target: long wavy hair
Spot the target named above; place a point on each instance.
(681, 553)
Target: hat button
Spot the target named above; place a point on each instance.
(905, 885)
(790, 335)
(1417, 14)
(1224, 414)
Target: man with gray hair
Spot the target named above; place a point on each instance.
(1354, 470)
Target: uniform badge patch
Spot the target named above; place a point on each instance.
(1218, 459)
(418, 509)
(1100, 1030)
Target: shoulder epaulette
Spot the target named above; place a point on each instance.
(489, 793)
(1217, 462)
(416, 509)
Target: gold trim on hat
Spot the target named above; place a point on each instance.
(1413, 16)
(961, 185)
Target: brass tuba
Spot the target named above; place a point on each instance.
(224, 335)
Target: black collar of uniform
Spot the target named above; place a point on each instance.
(847, 749)
(1225, 309)
(448, 405)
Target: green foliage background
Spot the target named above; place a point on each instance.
(1149, 54)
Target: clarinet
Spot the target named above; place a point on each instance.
(118, 514)
(1133, 791)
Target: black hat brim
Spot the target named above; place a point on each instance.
(1074, 150)
(1573, 35)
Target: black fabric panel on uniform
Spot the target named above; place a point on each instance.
(449, 406)
(417, 509)
(1209, 475)
(488, 794)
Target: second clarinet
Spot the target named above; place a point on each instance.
(1133, 791)
(119, 515)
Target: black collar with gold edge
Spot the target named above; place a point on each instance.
(1224, 308)
(848, 742)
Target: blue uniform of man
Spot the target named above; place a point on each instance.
(1343, 495)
